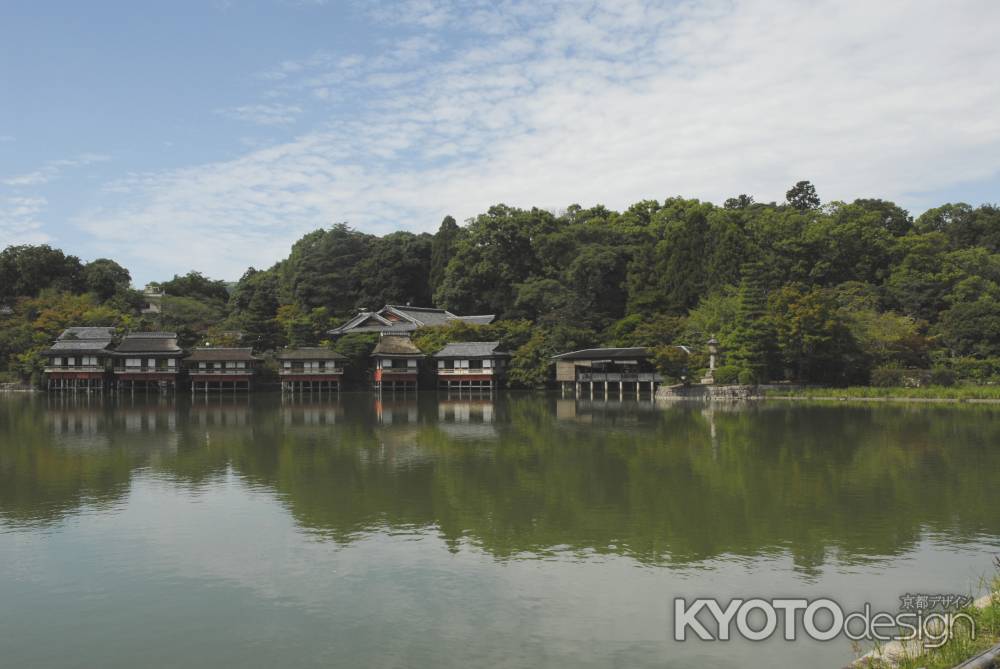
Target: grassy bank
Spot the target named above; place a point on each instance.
(962, 646)
(872, 392)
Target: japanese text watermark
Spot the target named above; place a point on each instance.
(928, 619)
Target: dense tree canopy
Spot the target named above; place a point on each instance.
(800, 290)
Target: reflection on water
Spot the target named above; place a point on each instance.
(822, 496)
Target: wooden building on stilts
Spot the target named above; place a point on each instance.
(147, 361)
(471, 365)
(310, 369)
(397, 363)
(221, 369)
(78, 359)
(607, 371)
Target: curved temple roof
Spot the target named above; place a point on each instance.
(392, 319)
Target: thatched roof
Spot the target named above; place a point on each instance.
(397, 345)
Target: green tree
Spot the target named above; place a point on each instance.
(494, 255)
(325, 269)
(442, 251)
(802, 196)
(972, 328)
(396, 270)
(197, 285)
(814, 337)
(25, 271)
(105, 278)
(754, 341)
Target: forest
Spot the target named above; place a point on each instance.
(832, 293)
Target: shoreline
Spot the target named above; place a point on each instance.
(903, 398)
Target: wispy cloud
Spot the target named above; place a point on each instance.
(19, 222)
(548, 103)
(264, 114)
(52, 170)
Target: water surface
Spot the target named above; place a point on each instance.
(436, 531)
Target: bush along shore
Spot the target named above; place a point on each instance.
(985, 394)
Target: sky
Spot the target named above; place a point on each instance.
(212, 134)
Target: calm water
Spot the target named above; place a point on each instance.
(433, 532)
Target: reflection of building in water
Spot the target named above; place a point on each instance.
(222, 412)
(467, 418)
(80, 420)
(298, 411)
(396, 411)
(148, 418)
(465, 411)
(602, 411)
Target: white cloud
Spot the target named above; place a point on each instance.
(550, 103)
(19, 222)
(264, 114)
(51, 170)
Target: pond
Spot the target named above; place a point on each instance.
(429, 530)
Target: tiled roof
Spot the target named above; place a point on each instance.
(401, 327)
(149, 342)
(86, 346)
(76, 333)
(309, 353)
(396, 345)
(224, 354)
(470, 349)
(605, 354)
(422, 315)
(485, 319)
(410, 318)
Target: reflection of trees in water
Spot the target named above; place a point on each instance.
(519, 475)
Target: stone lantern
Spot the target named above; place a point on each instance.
(713, 351)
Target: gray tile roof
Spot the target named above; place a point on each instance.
(163, 343)
(485, 319)
(471, 349)
(221, 354)
(422, 315)
(606, 354)
(86, 346)
(76, 333)
(309, 353)
(396, 318)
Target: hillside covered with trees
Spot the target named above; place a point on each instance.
(833, 293)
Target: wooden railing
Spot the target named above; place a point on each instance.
(75, 368)
(305, 372)
(230, 372)
(146, 370)
(616, 377)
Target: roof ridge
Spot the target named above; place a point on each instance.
(411, 308)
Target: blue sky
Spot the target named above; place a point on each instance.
(211, 135)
